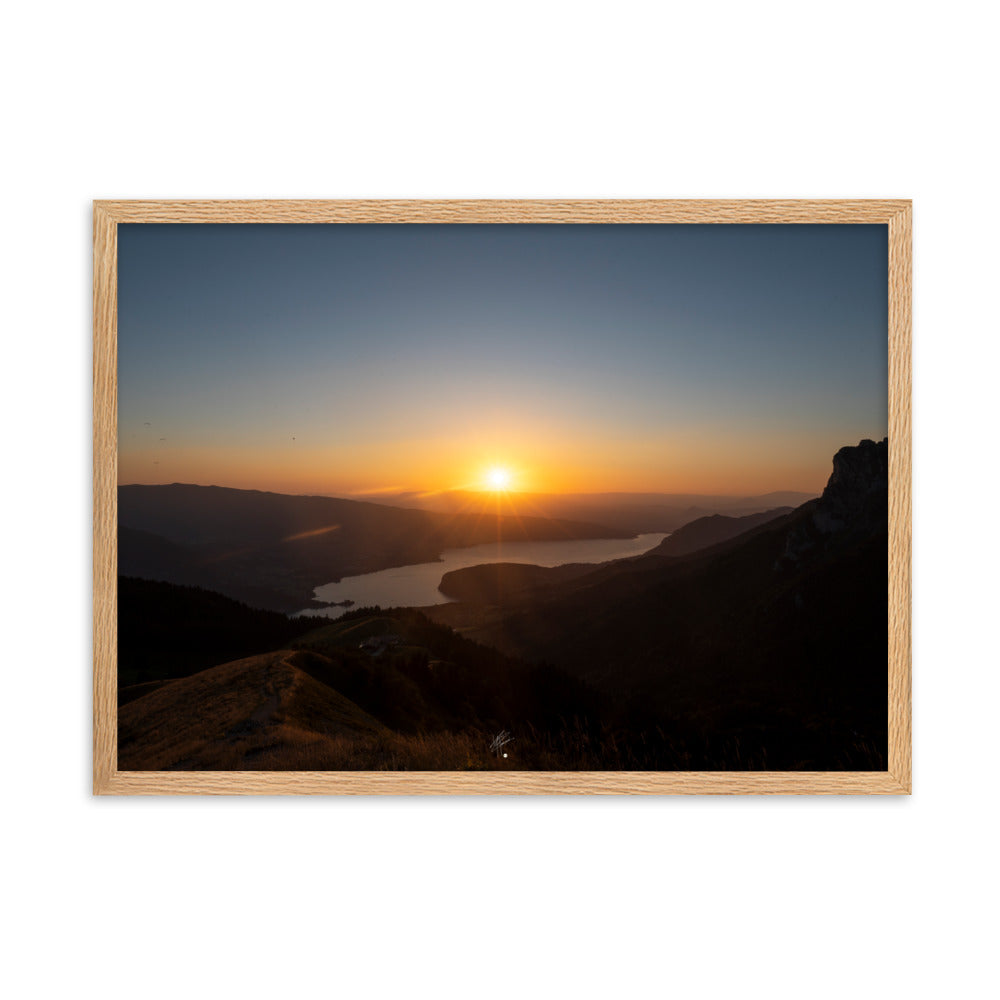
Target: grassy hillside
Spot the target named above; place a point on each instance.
(252, 714)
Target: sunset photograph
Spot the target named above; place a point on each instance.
(502, 497)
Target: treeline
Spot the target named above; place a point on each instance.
(167, 630)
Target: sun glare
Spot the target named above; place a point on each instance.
(498, 479)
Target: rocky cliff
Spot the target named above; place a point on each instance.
(854, 503)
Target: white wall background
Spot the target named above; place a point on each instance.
(539, 898)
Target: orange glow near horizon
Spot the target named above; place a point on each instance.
(557, 463)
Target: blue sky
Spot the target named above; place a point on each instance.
(335, 358)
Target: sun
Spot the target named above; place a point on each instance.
(498, 478)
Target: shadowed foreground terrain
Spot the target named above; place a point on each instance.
(373, 691)
(760, 648)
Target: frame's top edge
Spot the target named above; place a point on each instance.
(505, 210)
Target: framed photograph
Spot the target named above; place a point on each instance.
(502, 497)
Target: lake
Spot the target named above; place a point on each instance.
(417, 586)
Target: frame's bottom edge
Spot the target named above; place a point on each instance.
(499, 783)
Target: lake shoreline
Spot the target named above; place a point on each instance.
(417, 584)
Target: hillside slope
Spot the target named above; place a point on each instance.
(259, 713)
(713, 529)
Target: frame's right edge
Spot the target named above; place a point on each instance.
(900, 505)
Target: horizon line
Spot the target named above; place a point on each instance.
(423, 494)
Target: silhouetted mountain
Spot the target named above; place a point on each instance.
(775, 639)
(855, 501)
(708, 531)
(272, 550)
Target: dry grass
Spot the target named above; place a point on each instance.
(265, 713)
(233, 713)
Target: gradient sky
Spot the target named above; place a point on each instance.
(344, 359)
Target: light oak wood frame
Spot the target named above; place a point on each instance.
(108, 780)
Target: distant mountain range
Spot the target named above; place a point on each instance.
(635, 513)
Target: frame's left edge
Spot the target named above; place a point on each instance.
(105, 459)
